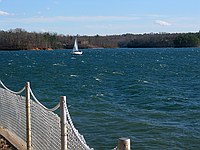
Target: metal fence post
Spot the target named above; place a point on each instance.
(123, 144)
(28, 117)
(63, 122)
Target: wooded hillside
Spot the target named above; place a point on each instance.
(19, 39)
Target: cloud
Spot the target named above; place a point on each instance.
(3, 13)
(85, 18)
(162, 23)
(69, 19)
(43, 30)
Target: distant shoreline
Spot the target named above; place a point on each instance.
(98, 48)
(19, 39)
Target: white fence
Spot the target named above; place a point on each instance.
(39, 126)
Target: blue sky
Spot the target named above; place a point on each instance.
(103, 17)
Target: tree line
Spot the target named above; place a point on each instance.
(19, 39)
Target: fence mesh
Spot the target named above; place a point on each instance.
(45, 124)
(45, 128)
(13, 113)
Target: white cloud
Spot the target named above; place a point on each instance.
(43, 30)
(162, 23)
(3, 13)
(88, 18)
(69, 19)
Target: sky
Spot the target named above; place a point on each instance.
(102, 17)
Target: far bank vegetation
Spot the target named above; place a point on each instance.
(19, 39)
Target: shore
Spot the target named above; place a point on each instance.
(10, 141)
(6, 145)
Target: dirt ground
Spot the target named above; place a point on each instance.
(5, 145)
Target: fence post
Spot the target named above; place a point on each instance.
(63, 122)
(123, 144)
(28, 117)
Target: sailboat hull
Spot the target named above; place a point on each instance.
(77, 52)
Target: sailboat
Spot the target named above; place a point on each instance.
(75, 50)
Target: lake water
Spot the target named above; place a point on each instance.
(151, 96)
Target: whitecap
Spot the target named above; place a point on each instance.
(73, 58)
(59, 64)
(83, 85)
(100, 94)
(97, 79)
(56, 64)
(118, 73)
(163, 65)
(73, 75)
(145, 82)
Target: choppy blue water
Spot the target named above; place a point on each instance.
(151, 96)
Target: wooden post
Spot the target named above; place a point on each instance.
(63, 122)
(123, 144)
(28, 117)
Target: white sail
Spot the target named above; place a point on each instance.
(75, 48)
